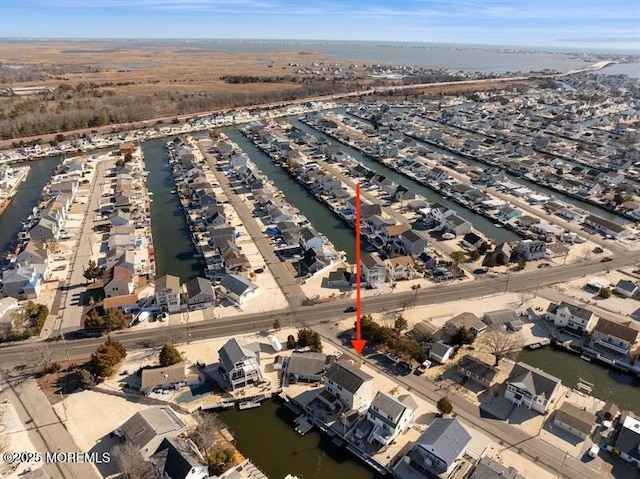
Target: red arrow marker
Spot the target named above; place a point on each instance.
(358, 343)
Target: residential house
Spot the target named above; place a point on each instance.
(234, 259)
(125, 303)
(435, 452)
(472, 240)
(626, 288)
(500, 255)
(237, 288)
(167, 292)
(146, 429)
(162, 378)
(488, 468)
(310, 239)
(353, 387)
(240, 363)
(413, 243)
(606, 227)
(118, 281)
(477, 370)
(45, 230)
(574, 420)
(314, 260)
(34, 255)
(570, 316)
(200, 294)
(390, 416)
(373, 270)
(307, 366)
(628, 440)
(21, 283)
(400, 268)
(219, 235)
(366, 209)
(441, 352)
(507, 213)
(502, 319)
(532, 249)
(469, 321)
(439, 213)
(438, 175)
(341, 279)
(120, 218)
(179, 458)
(531, 387)
(457, 225)
(617, 337)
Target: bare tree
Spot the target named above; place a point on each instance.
(204, 434)
(500, 344)
(41, 355)
(131, 462)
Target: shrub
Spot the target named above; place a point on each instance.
(605, 292)
(444, 406)
(169, 355)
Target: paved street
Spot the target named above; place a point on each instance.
(279, 270)
(46, 431)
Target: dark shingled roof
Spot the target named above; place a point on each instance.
(347, 376)
(535, 381)
(176, 457)
(477, 367)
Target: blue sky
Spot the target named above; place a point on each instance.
(558, 23)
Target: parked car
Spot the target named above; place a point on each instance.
(594, 451)
(606, 259)
(422, 368)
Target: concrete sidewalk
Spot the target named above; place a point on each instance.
(46, 431)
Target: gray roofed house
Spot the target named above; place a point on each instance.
(477, 370)
(240, 362)
(567, 315)
(164, 377)
(441, 352)
(574, 420)
(237, 288)
(200, 293)
(531, 387)
(146, 429)
(626, 288)
(500, 318)
(179, 458)
(308, 366)
(390, 416)
(436, 450)
(349, 384)
(487, 468)
(628, 440)
(467, 320)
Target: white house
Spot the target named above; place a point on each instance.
(390, 416)
(309, 239)
(567, 315)
(373, 270)
(619, 337)
(532, 249)
(353, 387)
(167, 293)
(441, 352)
(531, 387)
(237, 288)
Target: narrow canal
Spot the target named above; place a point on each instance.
(28, 196)
(480, 222)
(341, 235)
(608, 384)
(266, 436)
(173, 248)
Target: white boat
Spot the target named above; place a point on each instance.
(448, 236)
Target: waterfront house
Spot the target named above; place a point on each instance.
(391, 233)
(507, 213)
(309, 239)
(167, 293)
(532, 249)
(606, 227)
(179, 458)
(413, 243)
(373, 270)
(626, 288)
(569, 316)
(146, 429)
(126, 240)
(469, 321)
(618, 337)
(240, 363)
(627, 442)
(438, 212)
(574, 420)
(220, 235)
(531, 387)
(313, 260)
(400, 268)
(35, 256)
(200, 294)
(441, 352)
(502, 319)
(438, 175)
(307, 366)
(118, 281)
(21, 283)
(162, 378)
(435, 452)
(120, 217)
(68, 187)
(45, 230)
(472, 240)
(353, 387)
(390, 416)
(237, 288)
(366, 209)
(234, 259)
(457, 225)
(477, 370)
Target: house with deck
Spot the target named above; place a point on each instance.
(167, 293)
(531, 387)
(617, 337)
(373, 270)
(352, 386)
(390, 416)
(569, 316)
(240, 363)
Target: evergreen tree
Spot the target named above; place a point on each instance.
(169, 355)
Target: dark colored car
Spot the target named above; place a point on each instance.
(350, 309)
(606, 259)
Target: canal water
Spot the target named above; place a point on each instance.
(28, 196)
(480, 222)
(608, 384)
(266, 436)
(339, 233)
(174, 251)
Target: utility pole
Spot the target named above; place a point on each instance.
(506, 286)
